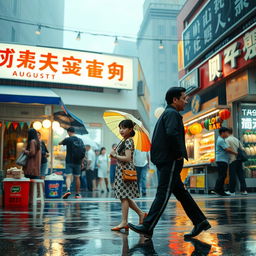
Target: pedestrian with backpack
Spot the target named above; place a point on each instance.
(74, 156)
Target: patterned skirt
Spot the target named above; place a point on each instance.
(124, 189)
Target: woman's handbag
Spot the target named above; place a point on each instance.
(22, 159)
(129, 175)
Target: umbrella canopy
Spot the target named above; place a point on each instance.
(66, 120)
(141, 138)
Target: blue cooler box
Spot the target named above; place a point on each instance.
(53, 188)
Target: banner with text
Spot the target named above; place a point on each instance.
(211, 24)
(53, 65)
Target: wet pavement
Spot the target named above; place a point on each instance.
(82, 227)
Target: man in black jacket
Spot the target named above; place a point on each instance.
(167, 153)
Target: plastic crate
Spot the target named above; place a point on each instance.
(16, 192)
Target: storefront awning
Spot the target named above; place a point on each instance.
(37, 95)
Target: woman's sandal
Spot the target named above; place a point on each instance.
(120, 228)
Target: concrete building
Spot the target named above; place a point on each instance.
(36, 12)
(159, 65)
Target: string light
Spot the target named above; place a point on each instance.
(38, 31)
(116, 41)
(161, 46)
(78, 38)
(63, 29)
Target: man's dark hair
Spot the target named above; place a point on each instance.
(71, 129)
(173, 92)
(223, 129)
(230, 130)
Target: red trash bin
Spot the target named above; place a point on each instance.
(16, 192)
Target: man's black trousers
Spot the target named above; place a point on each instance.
(89, 179)
(222, 174)
(236, 169)
(170, 182)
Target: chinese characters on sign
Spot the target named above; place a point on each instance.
(65, 66)
(215, 67)
(211, 24)
(231, 55)
(190, 81)
(248, 117)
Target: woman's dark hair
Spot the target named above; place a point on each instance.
(126, 124)
(174, 92)
(102, 150)
(32, 135)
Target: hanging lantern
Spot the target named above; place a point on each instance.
(195, 128)
(158, 112)
(206, 124)
(55, 125)
(37, 125)
(47, 123)
(224, 114)
(185, 129)
(202, 124)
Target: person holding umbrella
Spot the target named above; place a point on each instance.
(167, 153)
(126, 191)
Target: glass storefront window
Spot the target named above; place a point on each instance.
(15, 140)
(247, 133)
(59, 151)
(201, 148)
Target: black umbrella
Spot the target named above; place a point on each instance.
(68, 119)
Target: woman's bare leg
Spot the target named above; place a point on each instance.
(134, 206)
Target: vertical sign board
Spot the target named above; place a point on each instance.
(211, 24)
(248, 117)
(190, 81)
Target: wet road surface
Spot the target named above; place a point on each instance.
(82, 227)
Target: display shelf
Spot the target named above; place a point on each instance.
(206, 146)
(206, 151)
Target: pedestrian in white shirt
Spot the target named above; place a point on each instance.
(235, 166)
(90, 175)
(103, 165)
(141, 162)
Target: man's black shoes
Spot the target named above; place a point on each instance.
(204, 225)
(141, 230)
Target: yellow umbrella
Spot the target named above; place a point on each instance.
(141, 138)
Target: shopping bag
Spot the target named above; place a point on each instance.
(22, 159)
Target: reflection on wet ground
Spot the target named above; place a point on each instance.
(82, 227)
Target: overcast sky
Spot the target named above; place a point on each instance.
(101, 16)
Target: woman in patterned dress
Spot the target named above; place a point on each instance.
(126, 191)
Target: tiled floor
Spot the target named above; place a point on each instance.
(82, 227)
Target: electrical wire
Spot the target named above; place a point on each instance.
(63, 29)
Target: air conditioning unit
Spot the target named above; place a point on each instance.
(141, 88)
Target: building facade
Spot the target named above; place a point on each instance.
(83, 84)
(35, 12)
(217, 61)
(159, 58)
